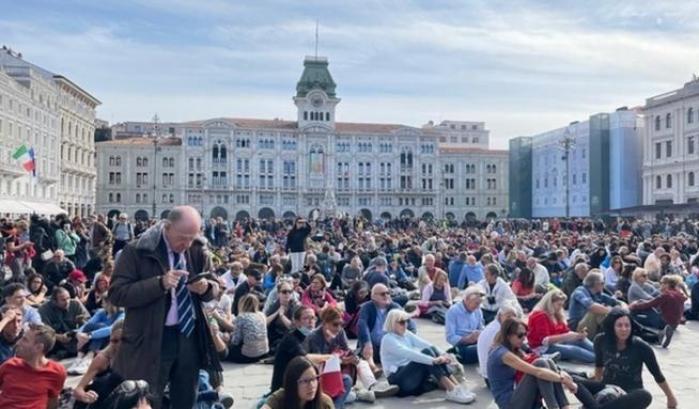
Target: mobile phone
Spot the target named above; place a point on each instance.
(197, 277)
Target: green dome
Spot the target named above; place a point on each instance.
(315, 76)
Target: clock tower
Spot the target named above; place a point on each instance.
(315, 96)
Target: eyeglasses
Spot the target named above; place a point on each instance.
(285, 292)
(402, 322)
(521, 335)
(308, 381)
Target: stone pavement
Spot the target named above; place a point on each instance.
(679, 363)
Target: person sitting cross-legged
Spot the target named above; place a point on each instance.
(464, 322)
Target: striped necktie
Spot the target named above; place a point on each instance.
(185, 311)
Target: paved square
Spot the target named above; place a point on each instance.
(680, 365)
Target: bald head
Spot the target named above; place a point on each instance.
(182, 227)
(380, 295)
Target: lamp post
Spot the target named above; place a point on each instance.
(155, 160)
(567, 143)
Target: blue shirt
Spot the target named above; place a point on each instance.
(470, 274)
(377, 332)
(581, 299)
(501, 377)
(460, 322)
(455, 269)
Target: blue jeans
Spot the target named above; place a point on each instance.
(340, 400)
(580, 351)
(96, 344)
(467, 354)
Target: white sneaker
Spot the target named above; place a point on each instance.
(458, 395)
(82, 366)
(351, 398)
(364, 395)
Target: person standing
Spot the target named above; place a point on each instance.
(166, 339)
(123, 233)
(296, 243)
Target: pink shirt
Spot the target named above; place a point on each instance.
(172, 318)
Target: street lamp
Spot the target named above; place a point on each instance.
(155, 135)
(567, 143)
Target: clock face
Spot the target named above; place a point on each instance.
(317, 101)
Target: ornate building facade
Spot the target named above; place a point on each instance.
(55, 117)
(236, 167)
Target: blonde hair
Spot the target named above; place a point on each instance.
(637, 273)
(392, 318)
(546, 304)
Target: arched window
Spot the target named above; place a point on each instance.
(111, 198)
(165, 162)
(327, 116)
(657, 123)
(668, 120)
(214, 154)
(669, 181)
(305, 115)
(118, 197)
(138, 162)
(172, 162)
(145, 162)
(690, 179)
(222, 152)
(658, 182)
(690, 115)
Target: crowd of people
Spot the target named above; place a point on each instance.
(145, 312)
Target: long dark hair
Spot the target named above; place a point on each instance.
(608, 335)
(292, 374)
(526, 277)
(510, 327)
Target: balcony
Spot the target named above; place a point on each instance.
(12, 169)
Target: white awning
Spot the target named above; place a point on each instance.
(48, 209)
(13, 207)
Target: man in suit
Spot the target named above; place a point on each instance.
(166, 339)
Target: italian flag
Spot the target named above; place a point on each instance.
(25, 156)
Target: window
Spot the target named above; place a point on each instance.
(669, 181)
(668, 149)
(657, 123)
(690, 179)
(690, 145)
(690, 115)
(668, 120)
(658, 150)
(584, 178)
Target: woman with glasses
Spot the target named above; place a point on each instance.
(548, 331)
(357, 295)
(330, 338)
(37, 290)
(301, 388)
(409, 361)
(518, 384)
(280, 314)
(292, 345)
(641, 288)
(99, 379)
(316, 295)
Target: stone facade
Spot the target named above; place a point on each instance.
(55, 117)
(236, 167)
(671, 147)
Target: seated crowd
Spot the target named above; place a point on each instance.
(515, 298)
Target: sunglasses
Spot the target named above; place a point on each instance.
(402, 322)
(521, 335)
(308, 381)
(285, 292)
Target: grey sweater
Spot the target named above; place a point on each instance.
(643, 293)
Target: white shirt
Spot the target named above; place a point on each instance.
(485, 343)
(541, 275)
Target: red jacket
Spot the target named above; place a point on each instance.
(670, 303)
(542, 326)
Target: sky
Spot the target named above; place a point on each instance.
(522, 66)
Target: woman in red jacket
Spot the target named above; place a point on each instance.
(548, 331)
(670, 302)
(316, 295)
